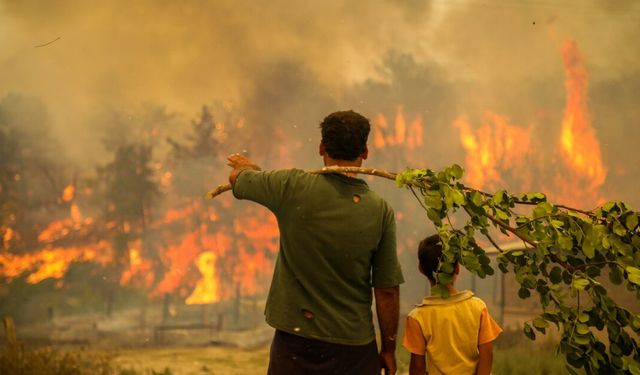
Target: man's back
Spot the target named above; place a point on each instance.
(334, 230)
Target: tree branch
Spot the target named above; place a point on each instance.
(325, 170)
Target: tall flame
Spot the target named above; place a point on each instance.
(579, 144)
(206, 290)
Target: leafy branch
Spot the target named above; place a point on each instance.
(565, 251)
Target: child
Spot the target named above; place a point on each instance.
(455, 333)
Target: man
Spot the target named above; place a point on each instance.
(337, 241)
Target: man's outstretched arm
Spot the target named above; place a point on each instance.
(388, 310)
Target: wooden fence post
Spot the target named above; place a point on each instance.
(10, 332)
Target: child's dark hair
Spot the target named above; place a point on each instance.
(429, 254)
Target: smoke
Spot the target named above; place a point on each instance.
(181, 55)
(284, 65)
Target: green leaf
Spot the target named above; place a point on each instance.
(634, 368)
(579, 283)
(439, 291)
(433, 199)
(446, 267)
(502, 215)
(608, 206)
(581, 340)
(488, 270)
(536, 197)
(606, 243)
(444, 278)
(540, 323)
(583, 317)
(556, 275)
(588, 250)
(582, 329)
(503, 268)
(434, 216)
(633, 274)
(458, 197)
(632, 221)
(615, 275)
(524, 293)
(456, 171)
(497, 198)
(565, 242)
(539, 212)
(528, 331)
(476, 198)
(619, 229)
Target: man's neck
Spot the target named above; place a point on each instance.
(328, 162)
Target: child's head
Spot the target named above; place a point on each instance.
(429, 254)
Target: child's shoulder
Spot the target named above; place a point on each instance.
(464, 297)
(479, 302)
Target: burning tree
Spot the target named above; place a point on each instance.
(128, 190)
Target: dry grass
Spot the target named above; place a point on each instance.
(220, 361)
(45, 361)
(192, 361)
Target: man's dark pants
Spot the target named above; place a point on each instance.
(292, 355)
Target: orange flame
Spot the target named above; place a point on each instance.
(493, 148)
(579, 144)
(139, 268)
(258, 236)
(400, 134)
(68, 193)
(206, 290)
(7, 236)
(52, 262)
(498, 148)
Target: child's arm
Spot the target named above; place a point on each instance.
(417, 366)
(489, 331)
(486, 359)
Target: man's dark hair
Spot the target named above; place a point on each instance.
(344, 135)
(429, 254)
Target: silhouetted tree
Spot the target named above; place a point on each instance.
(128, 190)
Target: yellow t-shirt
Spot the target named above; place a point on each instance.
(449, 331)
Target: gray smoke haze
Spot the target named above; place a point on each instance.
(284, 65)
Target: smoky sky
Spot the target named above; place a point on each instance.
(285, 64)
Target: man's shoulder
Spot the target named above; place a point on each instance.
(376, 197)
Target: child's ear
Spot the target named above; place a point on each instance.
(456, 269)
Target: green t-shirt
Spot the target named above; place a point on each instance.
(337, 241)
